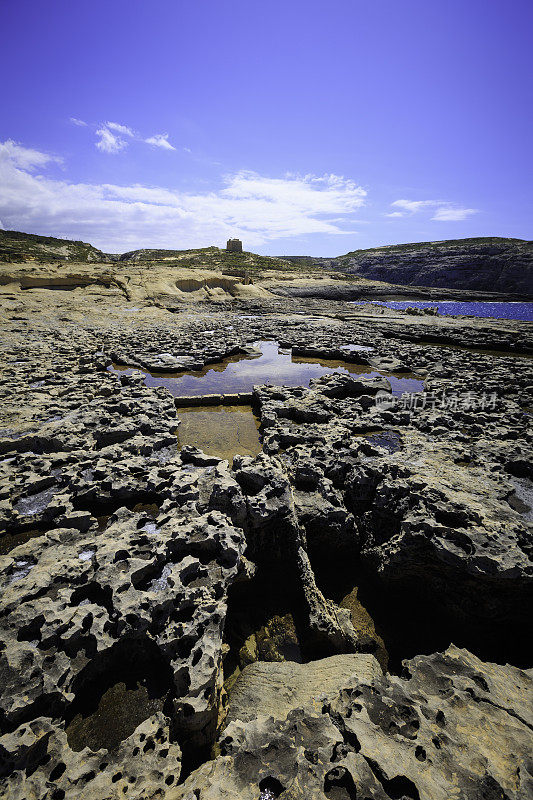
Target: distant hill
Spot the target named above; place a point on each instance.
(16, 246)
(213, 257)
(489, 264)
(27, 247)
(485, 264)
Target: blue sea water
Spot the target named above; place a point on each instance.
(518, 310)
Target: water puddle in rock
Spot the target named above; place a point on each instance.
(389, 440)
(356, 348)
(120, 710)
(102, 521)
(160, 583)
(261, 624)
(273, 366)
(9, 541)
(522, 498)
(103, 510)
(221, 431)
(400, 383)
(224, 431)
(152, 509)
(362, 622)
(119, 689)
(35, 503)
(22, 569)
(150, 527)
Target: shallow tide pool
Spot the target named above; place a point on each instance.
(274, 366)
(221, 431)
(224, 431)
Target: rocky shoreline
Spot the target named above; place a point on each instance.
(345, 615)
(478, 265)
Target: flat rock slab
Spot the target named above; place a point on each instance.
(276, 688)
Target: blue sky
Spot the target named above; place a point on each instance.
(302, 127)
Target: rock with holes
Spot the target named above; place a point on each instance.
(275, 537)
(41, 764)
(118, 550)
(101, 633)
(454, 727)
(343, 386)
(442, 535)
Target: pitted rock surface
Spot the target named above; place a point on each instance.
(379, 530)
(454, 728)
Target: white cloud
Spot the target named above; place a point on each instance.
(109, 142)
(123, 129)
(24, 157)
(79, 122)
(443, 210)
(413, 205)
(117, 218)
(160, 140)
(110, 137)
(453, 213)
(113, 137)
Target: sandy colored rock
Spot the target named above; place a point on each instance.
(454, 728)
(130, 568)
(275, 689)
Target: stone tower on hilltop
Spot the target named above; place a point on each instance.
(234, 246)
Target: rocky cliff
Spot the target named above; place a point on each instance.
(490, 264)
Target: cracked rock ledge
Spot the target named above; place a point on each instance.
(346, 614)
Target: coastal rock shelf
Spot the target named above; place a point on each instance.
(249, 553)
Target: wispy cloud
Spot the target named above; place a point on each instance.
(122, 129)
(160, 140)
(453, 213)
(412, 205)
(112, 137)
(25, 158)
(253, 207)
(109, 142)
(443, 211)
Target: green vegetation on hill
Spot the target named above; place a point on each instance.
(28, 247)
(16, 246)
(211, 258)
(487, 241)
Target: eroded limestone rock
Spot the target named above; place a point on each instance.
(455, 727)
(123, 557)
